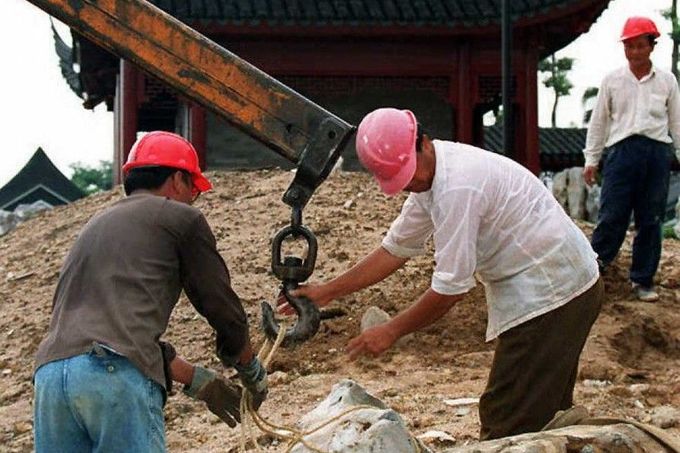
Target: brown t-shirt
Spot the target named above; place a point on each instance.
(123, 277)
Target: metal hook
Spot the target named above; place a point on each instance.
(292, 270)
(306, 326)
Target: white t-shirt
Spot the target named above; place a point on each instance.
(491, 218)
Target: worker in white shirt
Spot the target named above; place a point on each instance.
(492, 219)
(636, 114)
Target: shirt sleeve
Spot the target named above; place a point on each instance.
(598, 129)
(455, 241)
(206, 282)
(407, 236)
(674, 116)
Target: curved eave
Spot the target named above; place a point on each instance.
(586, 11)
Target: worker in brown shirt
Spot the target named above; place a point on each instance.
(100, 379)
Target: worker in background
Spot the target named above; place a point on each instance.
(490, 219)
(638, 105)
(100, 379)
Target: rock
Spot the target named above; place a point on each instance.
(373, 316)
(364, 424)
(7, 222)
(440, 438)
(676, 228)
(665, 417)
(622, 437)
(593, 203)
(576, 193)
(461, 401)
(559, 188)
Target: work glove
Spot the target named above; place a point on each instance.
(222, 397)
(254, 378)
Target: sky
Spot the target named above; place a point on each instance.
(38, 109)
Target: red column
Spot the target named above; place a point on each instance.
(197, 132)
(464, 108)
(529, 129)
(127, 113)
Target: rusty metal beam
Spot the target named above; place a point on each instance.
(285, 121)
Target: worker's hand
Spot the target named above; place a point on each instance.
(318, 294)
(589, 174)
(373, 341)
(254, 378)
(222, 397)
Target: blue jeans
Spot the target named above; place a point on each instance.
(635, 180)
(97, 402)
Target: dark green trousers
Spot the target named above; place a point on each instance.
(534, 368)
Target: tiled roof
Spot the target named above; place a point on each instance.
(39, 179)
(354, 12)
(558, 147)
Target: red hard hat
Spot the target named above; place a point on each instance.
(386, 146)
(638, 26)
(165, 149)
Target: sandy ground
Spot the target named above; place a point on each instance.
(630, 366)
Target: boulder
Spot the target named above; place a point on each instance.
(559, 188)
(7, 221)
(576, 193)
(676, 228)
(353, 421)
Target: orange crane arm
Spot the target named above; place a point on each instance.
(261, 106)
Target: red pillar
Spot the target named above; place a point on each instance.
(529, 129)
(197, 132)
(464, 107)
(126, 114)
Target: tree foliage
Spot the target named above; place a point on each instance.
(672, 15)
(93, 179)
(556, 79)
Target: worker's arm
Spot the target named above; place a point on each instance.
(374, 267)
(207, 284)
(598, 131)
(429, 308)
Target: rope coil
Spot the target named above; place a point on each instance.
(287, 434)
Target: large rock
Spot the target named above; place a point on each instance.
(571, 192)
(363, 425)
(616, 438)
(593, 202)
(559, 188)
(576, 193)
(676, 228)
(7, 221)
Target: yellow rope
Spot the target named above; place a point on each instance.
(248, 413)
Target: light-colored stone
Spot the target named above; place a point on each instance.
(576, 193)
(593, 202)
(676, 228)
(373, 316)
(665, 417)
(7, 222)
(559, 188)
(363, 425)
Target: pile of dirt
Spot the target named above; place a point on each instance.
(630, 366)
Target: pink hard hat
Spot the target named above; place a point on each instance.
(638, 26)
(386, 146)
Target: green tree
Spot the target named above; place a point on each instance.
(556, 79)
(93, 179)
(672, 15)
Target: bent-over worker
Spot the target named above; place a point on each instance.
(489, 218)
(100, 379)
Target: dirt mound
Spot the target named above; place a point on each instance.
(631, 363)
